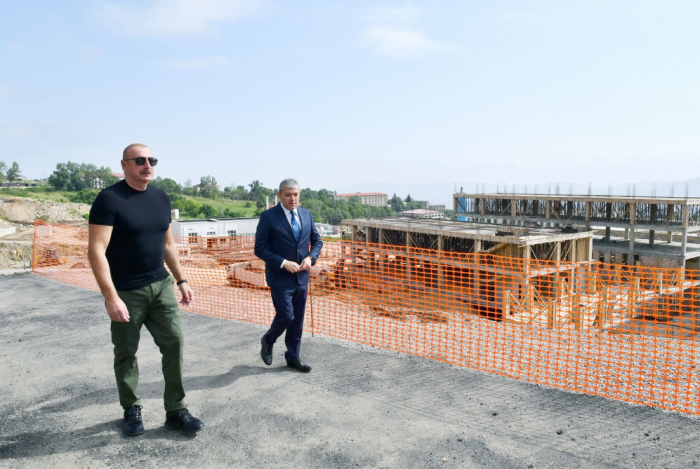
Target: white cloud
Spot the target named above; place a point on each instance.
(196, 63)
(90, 53)
(390, 34)
(175, 18)
(399, 42)
(407, 14)
(7, 91)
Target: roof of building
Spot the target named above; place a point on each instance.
(360, 194)
(419, 211)
(215, 220)
(458, 229)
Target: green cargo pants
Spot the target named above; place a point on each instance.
(154, 306)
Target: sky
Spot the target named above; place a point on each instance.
(341, 94)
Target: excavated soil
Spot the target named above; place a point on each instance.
(25, 210)
(20, 212)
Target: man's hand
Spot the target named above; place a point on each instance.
(117, 310)
(187, 294)
(305, 264)
(292, 267)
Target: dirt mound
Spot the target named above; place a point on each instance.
(15, 255)
(25, 210)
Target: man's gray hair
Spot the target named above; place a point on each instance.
(289, 182)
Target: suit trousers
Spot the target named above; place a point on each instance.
(290, 304)
(154, 306)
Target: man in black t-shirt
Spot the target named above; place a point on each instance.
(129, 238)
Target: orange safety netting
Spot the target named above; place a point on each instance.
(624, 332)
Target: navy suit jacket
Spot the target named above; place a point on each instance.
(274, 242)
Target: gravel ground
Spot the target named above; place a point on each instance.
(359, 407)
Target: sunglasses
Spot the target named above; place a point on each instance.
(141, 160)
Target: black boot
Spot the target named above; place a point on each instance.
(133, 425)
(182, 420)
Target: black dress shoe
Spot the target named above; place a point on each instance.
(133, 424)
(297, 364)
(182, 420)
(266, 351)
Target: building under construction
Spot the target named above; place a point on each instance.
(647, 231)
(521, 273)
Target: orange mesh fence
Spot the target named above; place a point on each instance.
(623, 332)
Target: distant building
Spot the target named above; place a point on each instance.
(422, 213)
(197, 187)
(376, 199)
(215, 227)
(439, 208)
(423, 203)
(119, 176)
(23, 183)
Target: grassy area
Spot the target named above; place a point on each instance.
(222, 204)
(38, 193)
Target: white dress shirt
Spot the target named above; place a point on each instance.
(288, 214)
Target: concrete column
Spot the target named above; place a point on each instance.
(670, 237)
(548, 211)
(408, 256)
(588, 216)
(652, 220)
(440, 248)
(513, 208)
(684, 243)
(483, 206)
(475, 271)
(633, 214)
(630, 252)
(557, 251)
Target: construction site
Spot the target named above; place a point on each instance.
(523, 301)
(628, 230)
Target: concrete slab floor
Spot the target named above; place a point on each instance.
(359, 407)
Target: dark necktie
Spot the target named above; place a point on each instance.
(295, 227)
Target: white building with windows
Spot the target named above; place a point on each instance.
(215, 227)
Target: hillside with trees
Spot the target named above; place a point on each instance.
(80, 182)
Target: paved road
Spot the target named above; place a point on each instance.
(359, 407)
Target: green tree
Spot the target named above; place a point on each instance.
(77, 176)
(207, 211)
(258, 192)
(397, 204)
(84, 196)
(189, 207)
(167, 185)
(13, 173)
(3, 168)
(208, 187)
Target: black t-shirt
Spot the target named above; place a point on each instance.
(140, 220)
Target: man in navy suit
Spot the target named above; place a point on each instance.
(288, 242)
